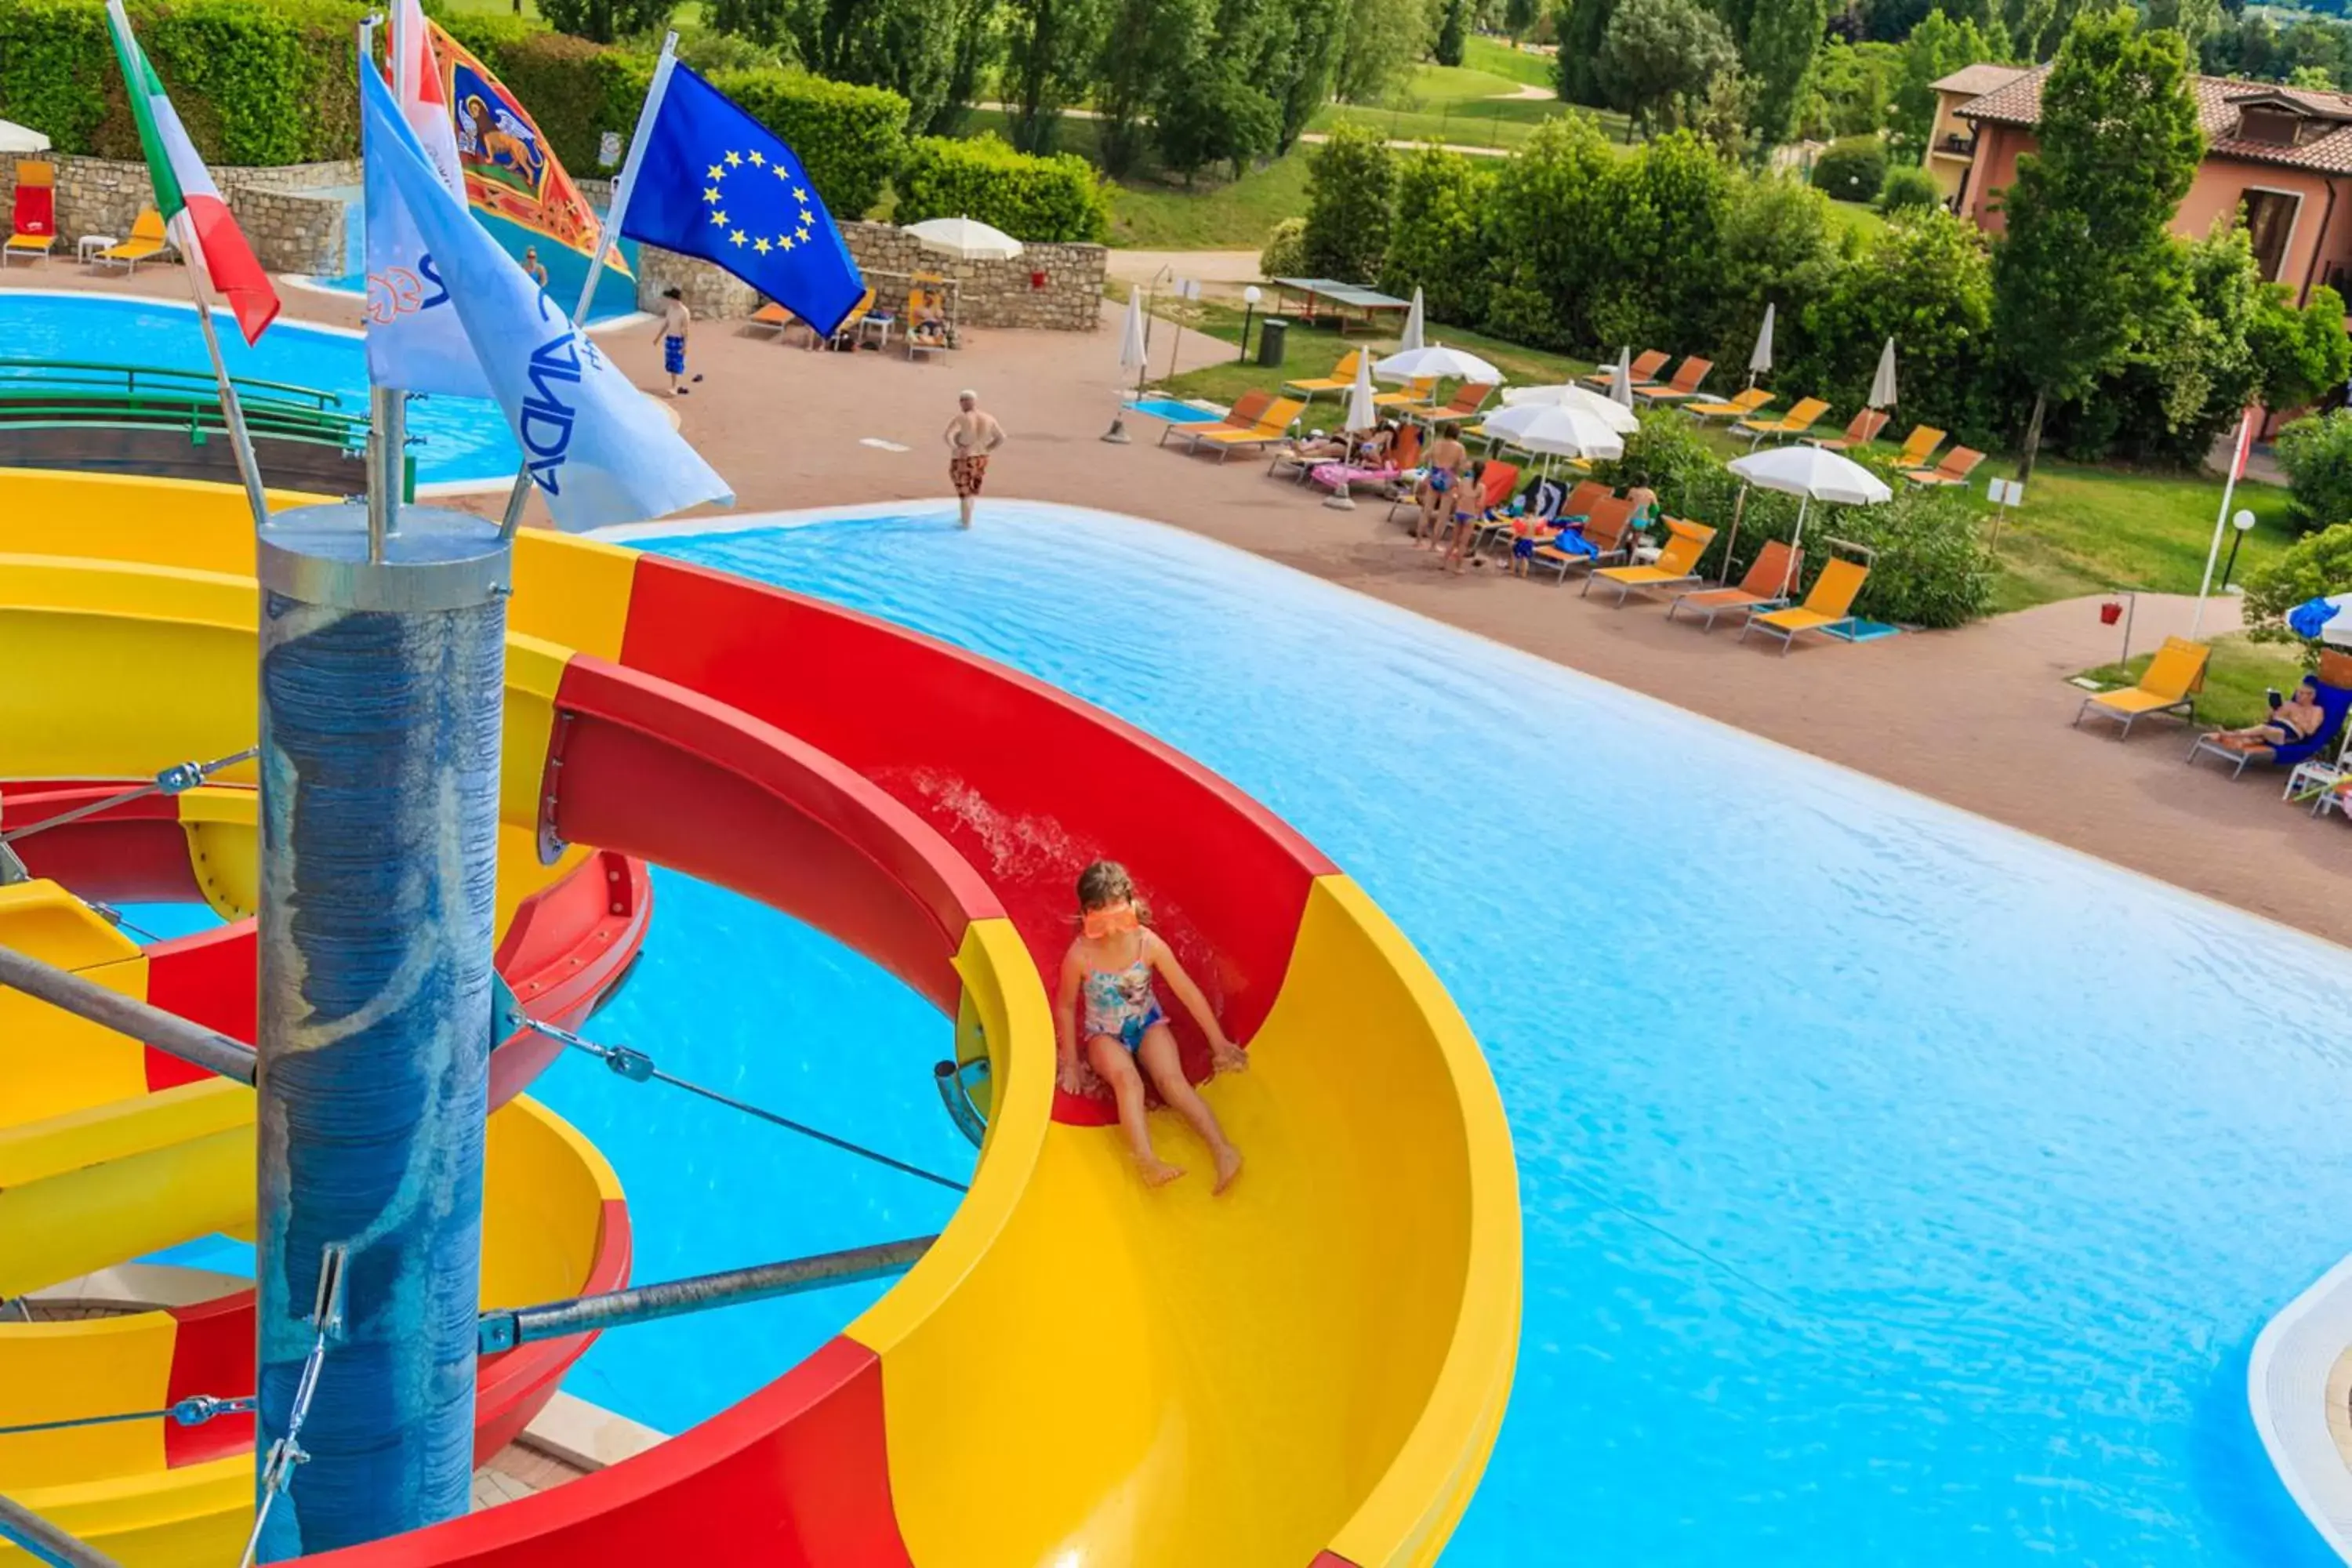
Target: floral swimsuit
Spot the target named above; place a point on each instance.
(1120, 1002)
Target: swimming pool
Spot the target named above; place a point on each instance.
(616, 292)
(458, 439)
(1174, 410)
(1898, 1188)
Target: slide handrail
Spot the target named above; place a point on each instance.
(23, 368)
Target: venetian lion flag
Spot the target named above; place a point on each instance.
(199, 221)
(508, 168)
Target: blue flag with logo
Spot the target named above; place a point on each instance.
(598, 448)
(712, 181)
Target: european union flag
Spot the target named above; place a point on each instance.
(711, 180)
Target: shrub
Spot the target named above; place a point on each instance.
(1435, 244)
(1909, 188)
(1547, 233)
(1350, 192)
(850, 139)
(603, 21)
(2317, 565)
(1037, 199)
(2317, 455)
(1662, 244)
(1852, 169)
(1931, 569)
(1285, 254)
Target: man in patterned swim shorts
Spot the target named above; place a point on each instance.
(971, 436)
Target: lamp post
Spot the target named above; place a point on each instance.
(2245, 524)
(1250, 297)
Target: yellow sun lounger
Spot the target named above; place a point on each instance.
(1807, 413)
(1270, 427)
(1415, 391)
(1678, 563)
(1828, 605)
(1737, 407)
(1342, 377)
(148, 240)
(2168, 685)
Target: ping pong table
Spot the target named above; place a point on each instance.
(1341, 297)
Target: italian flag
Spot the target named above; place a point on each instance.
(198, 220)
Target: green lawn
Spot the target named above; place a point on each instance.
(1311, 351)
(1496, 58)
(2237, 678)
(1860, 217)
(2083, 530)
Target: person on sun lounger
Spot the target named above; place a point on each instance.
(2293, 720)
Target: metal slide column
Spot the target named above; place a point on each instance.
(382, 686)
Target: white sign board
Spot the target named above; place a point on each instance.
(2005, 492)
(608, 150)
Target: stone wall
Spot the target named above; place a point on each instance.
(291, 223)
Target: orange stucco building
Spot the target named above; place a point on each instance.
(2283, 154)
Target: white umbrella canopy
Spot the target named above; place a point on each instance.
(1131, 354)
(1620, 382)
(1881, 386)
(1420, 364)
(1413, 327)
(1555, 429)
(966, 237)
(1618, 417)
(1760, 359)
(16, 138)
(1810, 474)
(1363, 413)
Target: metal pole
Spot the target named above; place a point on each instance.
(674, 1297)
(45, 1542)
(2131, 608)
(150, 1025)
(382, 685)
(2237, 536)
(2222, 520)
(232, 412)
(387, 435)
(607, 236)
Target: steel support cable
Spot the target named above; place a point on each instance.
(177, 779)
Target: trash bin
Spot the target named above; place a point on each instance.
(1270, 334)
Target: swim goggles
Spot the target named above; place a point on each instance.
(1110, 919)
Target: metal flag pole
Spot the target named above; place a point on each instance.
(2222, 517)
(232, 412)
(608, 235)
(387, 405)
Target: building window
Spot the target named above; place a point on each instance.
(2268, 125)
(2270, 218)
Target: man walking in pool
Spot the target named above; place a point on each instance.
(971, 436)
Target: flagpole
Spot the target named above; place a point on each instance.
(232, 410)
(608, 235)
(2222, 517)
(387, 405)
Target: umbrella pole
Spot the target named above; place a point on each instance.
(1789, 587)
(1738, 508)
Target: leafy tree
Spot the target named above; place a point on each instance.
(2246, 47)
(2089, 211)
(2303, 353)
(1582, 25)
(1852, 86)
(1661, 244)
(605, 20)
(1781, 46)
(2317, 566)
(1298, 53)
(1450, 33)
(896, 44)
(1937, 47)
(1435, 245)
(1519, 18)
(1050, 51)
(1139, 38)
(1657, 52)
(979, 44)
(2194, 20)
(1781, 245)
(1547, 233)
(2312, 78)
(1724, 117)
(1350, 194)
(1381, 41)
(1924, 282)
(1210, 113)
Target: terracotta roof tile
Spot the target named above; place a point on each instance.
(2019, 102)
(1978, 80)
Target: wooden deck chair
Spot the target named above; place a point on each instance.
(1958, 465)
(1917, 446)
(32, 214)
(1770, 579)
(147, 241)
(1807, 413)
(1273, 424)
(1608, 528)
(1342, 377)
(2170, 685)
(1684, 384)
(1861, 432)
(1752, 401)
(1242, 416)
(1678, 563)
(1645, 367)
(1828, 605)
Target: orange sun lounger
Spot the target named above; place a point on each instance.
(1829, 606)
(1678, 563)
(1766, 588)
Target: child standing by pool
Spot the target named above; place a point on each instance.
(677, 320)
(1107, 1002)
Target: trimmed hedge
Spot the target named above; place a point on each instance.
(1851, 169)
(257, 82)
(267, 82)
(1040, 200)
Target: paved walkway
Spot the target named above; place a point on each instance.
(1977, 717)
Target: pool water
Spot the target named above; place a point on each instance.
(457, 439)
(1898, 1188)
(1174, 410)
